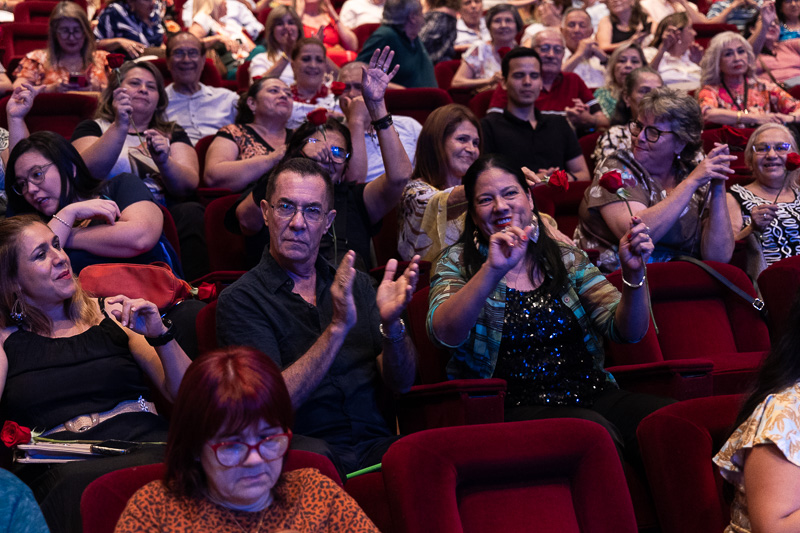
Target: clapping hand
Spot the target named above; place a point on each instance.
(137, 314)
(344, 307)
(376, 78)
(716, 166)
(393, 295)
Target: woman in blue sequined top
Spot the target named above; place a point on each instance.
(510, 302)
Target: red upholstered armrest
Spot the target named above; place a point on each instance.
(451, 403)
(680, 379)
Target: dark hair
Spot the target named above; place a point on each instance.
(637, 15)
(76, 181)
(503, 8)
(226, 390)
(430, 162)
(304, 41)
(519, 51)
(544, 253)
(679, 20)
(452, 4)
(622, 112)
(174, 36)
(296, 142)
(245, 115)
(305, 167)
(780, 369)
(779, 10)
(159, 121)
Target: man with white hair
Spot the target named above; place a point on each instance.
(582, 55)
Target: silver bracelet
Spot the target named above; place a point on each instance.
(397, 338)
(631, 285)
(62, 221)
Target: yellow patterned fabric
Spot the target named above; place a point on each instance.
(776, 421)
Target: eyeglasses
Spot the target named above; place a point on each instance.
(35, 176)
(311, 213)
(66, 33)
(180, 53)
(651, 133)
(764, 148)
(270, 448)
(338, 153)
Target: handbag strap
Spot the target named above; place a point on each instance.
(771, 75)
(757, 303)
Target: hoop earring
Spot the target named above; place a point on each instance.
(475, 239)
(17, 312)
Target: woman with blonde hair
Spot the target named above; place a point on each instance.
(732, 95)
(622, 62)
(71, 61)
(281, 31)
(229, 41)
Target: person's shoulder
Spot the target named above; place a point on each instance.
(407, 122)
(242, 288)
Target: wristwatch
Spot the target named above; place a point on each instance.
(165, 337)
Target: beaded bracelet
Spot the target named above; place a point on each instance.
(397, 338)
(62, 221)
(383, 123)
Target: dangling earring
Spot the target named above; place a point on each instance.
(17, 312)
(535, 227)
(475, 239)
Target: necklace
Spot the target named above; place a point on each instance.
(260, 521)
(740, 104)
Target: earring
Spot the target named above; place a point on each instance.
(535, 227)
(475, 239)
(17, 312)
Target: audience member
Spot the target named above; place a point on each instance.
(283, 28)
(333, 338)
(407, 128)
(732, 95)
(789, 15)
(509, 302)
(583, 55)
(777, 61)
(321, 20)
(736, 12)
(231, 402)
(402, 21)
(682, 203)
(618, 137)
(627, 23)
(438, 32)
(564, 93)
(545, 15)
(621, 63)
(355, 13)
(18, 508)
(244, 151)
(227, 39)
(675, 54)
(98, 221)
(130, 27)
(529, 138)
(480, 64)
(19, 103)
(238, 14)
(597, 10)
(75, 366)
(432, 210)
(471, 27)
(199, 109)
(71, 61)
(763, 442)
(309, 91)
(661, 9)
(769, 207)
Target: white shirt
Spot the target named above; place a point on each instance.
(238, 15)
(301, 109)
(407, 129)
(660, 9)
(591, 71)
(202, 113)
(464, 35)
(260, 64)
(354, 13)
(596, 13)
(678, 72)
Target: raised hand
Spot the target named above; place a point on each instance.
(531, 177)
(122, 107)
(344, 307)
(393, 295)
(507, 248)
(21, 100)
(635, 247)
(137, 314)
(376, 78)
(716, 166)
(696, 52)
(355, 110)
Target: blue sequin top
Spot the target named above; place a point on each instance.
(543, 356)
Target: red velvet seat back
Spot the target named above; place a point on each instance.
(210, 75)
(416, 103)
(206, 326)
(677, 444)
(588, 144)
(779, 285)
(34, 12)
(479, 103)
(202, 149)
(432, 360)
(364, 31)
(699, 318)
(705, 32)
(560, 475)
(18, 39)
(105, 498)
(59, 113)
(226, 250)
(566, 203)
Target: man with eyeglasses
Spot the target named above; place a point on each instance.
(199, 109)
(332, 335)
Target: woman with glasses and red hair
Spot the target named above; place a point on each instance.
(682, 202)
(226, 450)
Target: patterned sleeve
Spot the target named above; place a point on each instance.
(707, 98)
(31, 68)
(599, 197)
(474, 58)
(140, 514)
(344, 514)
(606, 145)
(446, 280)
(781, 101)
(420, 208)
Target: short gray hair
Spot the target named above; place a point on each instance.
(709, 65)
(681, 111)
(748, 151)
(396, 12)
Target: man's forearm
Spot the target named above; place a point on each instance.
(304, 375)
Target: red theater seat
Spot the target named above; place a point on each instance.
(59, 113)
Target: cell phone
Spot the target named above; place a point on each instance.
(78, 79)
(115, 447)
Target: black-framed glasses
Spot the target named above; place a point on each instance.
(311, 213)
(651, 133)
(338, 153)
(35, 176)
(66, 33)
(269, 448)
(764, 148)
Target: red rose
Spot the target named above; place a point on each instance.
(115, 60)
(318, 117)
(503, 51)
(559, 179)
(612, 181)
(13, 434)
(337, 88)
(792, 161)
